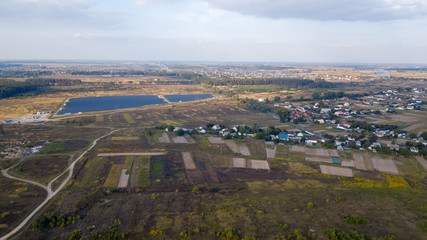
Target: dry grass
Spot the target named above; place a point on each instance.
(113, 176)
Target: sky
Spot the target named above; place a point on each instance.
(349, 31)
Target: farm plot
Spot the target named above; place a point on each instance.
(124, 138)
(216, 140)
(259, 164)
(129, 119)
(232, 146)
(271, 152)
(413, 127)
(337, 171)
(385, 166)
(359, 162)
(164, 138)
(239, 163)
(244, 150)
(297, 149)
(144, 172)
(188, 160)
(131, 154)
(113, 176)
(318, 159)
(179, 139)
(348, 163)
(422, 161)
(322, 152)
(124, 179)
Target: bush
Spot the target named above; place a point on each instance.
(195, 190)
(310, 205)
(355, 219)
(339, 234)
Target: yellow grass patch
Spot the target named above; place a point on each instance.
(13, 196)
(99, 118)
(396, 181)
(22, 189)
(113, 176)
(129, 118)
(124, 138)
(4, 225)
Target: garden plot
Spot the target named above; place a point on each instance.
(359, 162)
(188, 160)
(232, 146)
(297, 149)
(164, 138)
(260, 164)
(348, 163)
(124, 179)
(337, 171)
(179, 140)
(216, 140)
(271, 152)
(244, 150)
(318, 159)
(321, 152)
(239, 162)
(422, 161)
(385, 166)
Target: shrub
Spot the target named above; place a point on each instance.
(355, 219)
(195, 190)
(310, 205)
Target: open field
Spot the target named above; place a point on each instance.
(17, 199)
(41, 169)
(164, 186)
(385, 165)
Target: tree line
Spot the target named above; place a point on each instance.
(10, 88)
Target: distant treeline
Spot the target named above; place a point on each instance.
(54, 81)
(24, 74)
(288, 82)
(10, 88)
(124, 73)
(335, 95)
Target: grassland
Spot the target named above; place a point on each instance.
(252, 203)
(41, 169)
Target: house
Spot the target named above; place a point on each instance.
(261, 100)
(283, 136)
(414, 149)
(216, 127)
(312, 139)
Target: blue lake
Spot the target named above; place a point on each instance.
(188, 97)
(91, 104)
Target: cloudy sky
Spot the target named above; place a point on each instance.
(365, 31)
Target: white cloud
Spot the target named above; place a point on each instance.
(327, 10)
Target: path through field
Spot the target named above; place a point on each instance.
(48, 188)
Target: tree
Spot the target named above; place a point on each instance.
(316, 95)
(276, 98)
(284, 114)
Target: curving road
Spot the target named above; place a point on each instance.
(48, 188)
